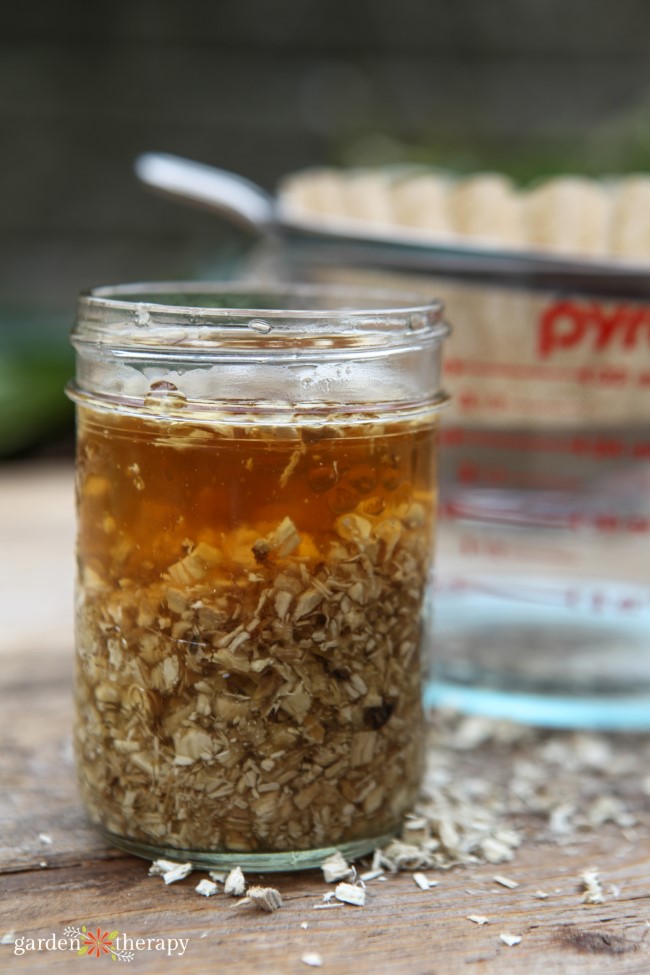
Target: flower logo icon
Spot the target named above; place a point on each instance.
(99, 943)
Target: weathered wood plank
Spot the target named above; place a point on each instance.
(401, 928)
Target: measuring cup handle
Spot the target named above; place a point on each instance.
(233, 197)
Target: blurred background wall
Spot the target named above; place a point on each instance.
(264, 88)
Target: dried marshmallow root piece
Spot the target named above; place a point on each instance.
(336, 868)
(423, 881)
(195, 566)
(160, 867)
(402, 856)
(207, 888)
(181, 871)
(265, 898)
(282, 541)
(350, 894)
(510, 939)
(291, 466)
(593, 889)
(505, 881)
(478, 918)
(495, 851)
(235, 883)
(312, 958)
(371, 875)
(170, 871)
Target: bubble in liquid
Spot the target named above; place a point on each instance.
(141, 316)
(391, 481)
(344, 498)
(321, 479)
(259, 325)
(363, 479)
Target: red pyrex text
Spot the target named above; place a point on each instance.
(568, 324)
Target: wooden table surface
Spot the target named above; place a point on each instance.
(57, 872)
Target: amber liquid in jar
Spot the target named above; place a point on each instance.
(249, 628)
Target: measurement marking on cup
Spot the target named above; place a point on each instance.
(583, 444)
(596, 600)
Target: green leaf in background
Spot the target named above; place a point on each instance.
(32, 401)
(36, 362)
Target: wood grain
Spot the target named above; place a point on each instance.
(78, 879)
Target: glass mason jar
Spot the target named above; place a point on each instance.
(256, 491)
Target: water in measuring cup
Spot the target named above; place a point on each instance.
(541, 609)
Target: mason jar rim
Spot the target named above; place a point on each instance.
(124, 343)
(324, 302)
